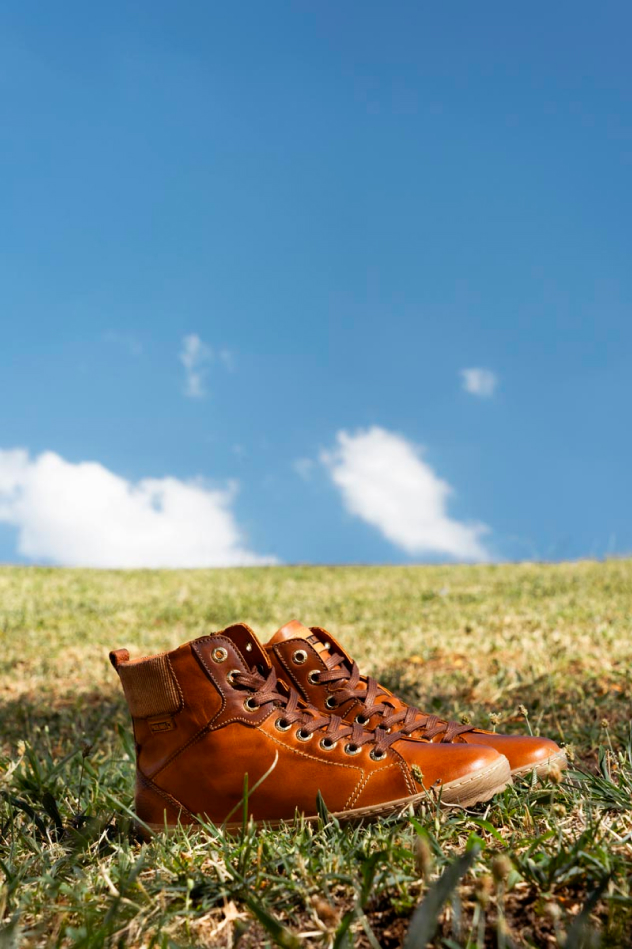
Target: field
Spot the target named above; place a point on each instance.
(542, 647)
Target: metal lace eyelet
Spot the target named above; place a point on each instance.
(351, 749)
(302, 735)
(377, 755)
(231, 675)
(313, 677)
(361, 719)
(219, 654)
(299, 657)
(327, 744)
(250, 705)
(281, 725)
(330, 702)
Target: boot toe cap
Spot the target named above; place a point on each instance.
(525, 753)
(445, 763)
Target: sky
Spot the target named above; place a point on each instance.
(314, 282)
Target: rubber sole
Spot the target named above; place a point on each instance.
(475, 788)
(543, 767)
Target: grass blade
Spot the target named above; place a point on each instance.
(424, 921)
(280, 934)
(580, 933)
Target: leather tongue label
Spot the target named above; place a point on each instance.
(296, 630)
(318, 645)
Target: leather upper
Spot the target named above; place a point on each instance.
(193, 758)
(318, 646)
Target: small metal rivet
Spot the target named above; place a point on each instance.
(248, 647)
(299, 657)
(219, 654)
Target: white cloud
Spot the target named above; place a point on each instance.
(85, 515)
(384, 481)
(227, 358)
(126, 341)
(195, 357)
(480, 382)
(304, 468)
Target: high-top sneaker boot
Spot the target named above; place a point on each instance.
(326, 676)
(211, 712)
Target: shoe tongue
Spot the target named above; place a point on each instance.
(296, 630)
(320, 641)
(248, 644)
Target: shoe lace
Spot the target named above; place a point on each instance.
(406, 720)
(265, 689)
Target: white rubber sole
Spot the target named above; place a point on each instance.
(472, 789)
(543, 767)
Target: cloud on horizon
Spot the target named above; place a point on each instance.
(384, 481)
(87, 516)
(480, 382)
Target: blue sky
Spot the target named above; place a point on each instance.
(334, 210)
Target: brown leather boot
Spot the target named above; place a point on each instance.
(326, 676)
(211, 712)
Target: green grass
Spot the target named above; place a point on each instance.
(545, 865)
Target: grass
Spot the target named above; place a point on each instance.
(546, 865)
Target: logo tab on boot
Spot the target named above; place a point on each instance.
(163, 723)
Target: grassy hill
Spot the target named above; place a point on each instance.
(462, 641)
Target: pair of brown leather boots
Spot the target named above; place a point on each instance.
(224, 719)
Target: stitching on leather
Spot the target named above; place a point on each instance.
(175, 678)
(205, 730)
(303, 754)
(150, 687)
(388, 807)
(237, 718)
(405, 769)
(200, 658)
(149, 785)
(209, 725)
(297, 685)
(241, 718)
(217, 637)
(277, 650)
(357, 791)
